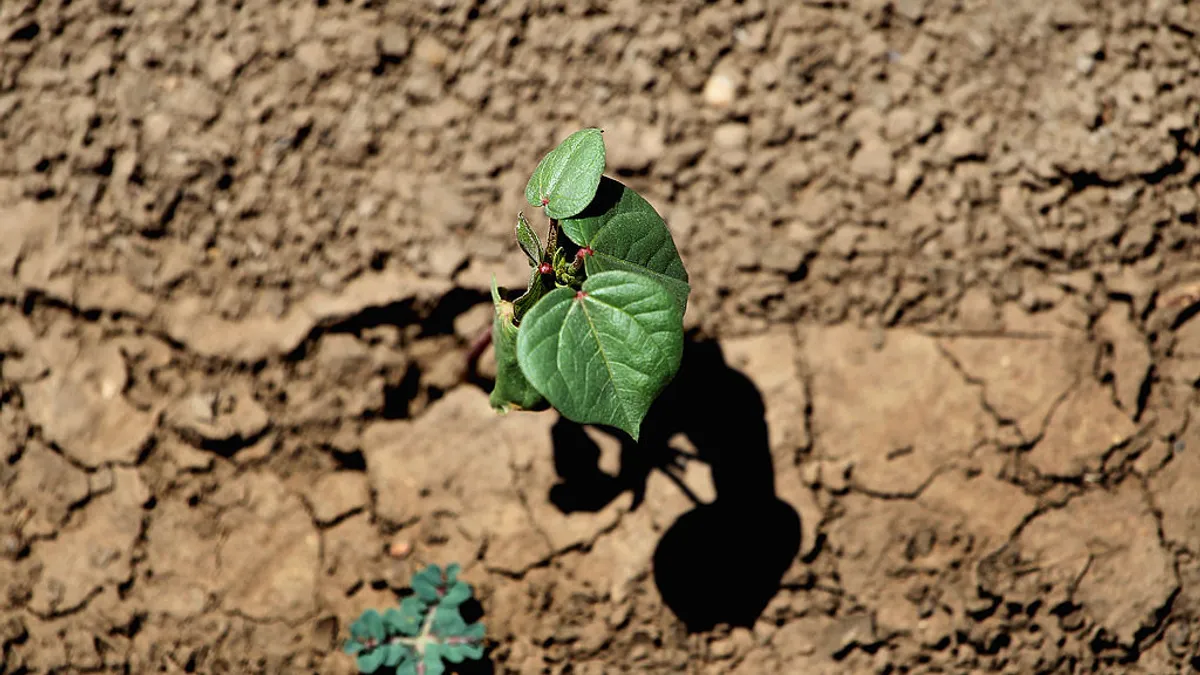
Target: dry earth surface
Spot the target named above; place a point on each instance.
(946, 268)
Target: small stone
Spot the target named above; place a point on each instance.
(851, 630)
(156, 128)
(221, 66)
(400, 548)
(908, 174)
(1089, 42)
(731, 136)
(431, 52)
(810, 473)
(1184, 202)
(912, 10)
(314, 56)
(873, 160)
(901, 123)
(720, 90)
(962, 142)
(230, 416)
(394, 42)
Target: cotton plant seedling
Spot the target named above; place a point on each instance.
(598, 334)
(424, 633)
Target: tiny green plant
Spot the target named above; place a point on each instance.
(598, 333)
(426, 631)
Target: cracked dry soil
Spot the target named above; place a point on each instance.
(946, 266)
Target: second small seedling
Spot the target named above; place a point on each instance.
(426, 631)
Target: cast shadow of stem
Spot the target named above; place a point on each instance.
(721, 562)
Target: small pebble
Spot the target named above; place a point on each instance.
(731, 136)
(400, 549)
(720, 90)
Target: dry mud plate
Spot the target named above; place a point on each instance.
(941, 375)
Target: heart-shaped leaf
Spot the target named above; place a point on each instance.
(603, 354)
(463, 651)
(448, 621)
(395, 653)
(458, 593)
(407, 619)
(566, 179)
(369, 625)
(624, 232)
(433, 660)
(512, 390)
(369, 662)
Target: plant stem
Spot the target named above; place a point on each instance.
(419, 641)
(476, 351)
(427, 625)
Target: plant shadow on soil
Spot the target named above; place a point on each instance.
(721, 562)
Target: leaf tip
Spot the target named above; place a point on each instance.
(635, 431)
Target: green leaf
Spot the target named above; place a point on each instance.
(626, 233)
(425, 587)
(528, 240)
(433, 660)
(451, 574)
(369, 625)
(412, 612)
(537, 288)
(457, 595)
(566, 179)
(406, 620)
(369, 662)
(396, 653)
(512, 390)
(601, 356)
(475, 631)
(408, 667)
(458, 650)
(352, 647)
(448, 622)
(393, 620)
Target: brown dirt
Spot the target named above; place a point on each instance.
(947, 251)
